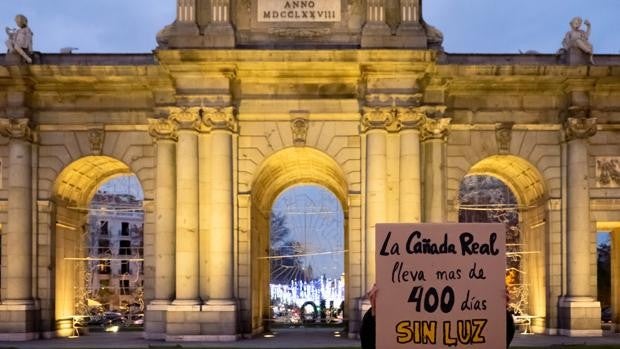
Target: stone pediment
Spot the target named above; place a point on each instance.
(299, 24)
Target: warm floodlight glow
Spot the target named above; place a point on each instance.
(112, 329)
(294, 166)
(78, 180)
(521, 177)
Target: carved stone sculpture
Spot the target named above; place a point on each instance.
(578, 38)
(20, 38)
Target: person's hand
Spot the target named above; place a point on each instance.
(587, 23)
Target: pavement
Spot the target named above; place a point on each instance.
(283, 339)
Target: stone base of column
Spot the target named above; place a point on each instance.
(379, 35)
(410, 35)
(579, 317)
(64, 327)
(155, 320)
(193, 323)
(219, 36)
(355, 320)
(374, 34)
(18, 322)
(180, 34)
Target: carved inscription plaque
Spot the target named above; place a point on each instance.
(299, 11)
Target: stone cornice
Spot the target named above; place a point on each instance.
(579, 128)
(162, 129)
(17, 129)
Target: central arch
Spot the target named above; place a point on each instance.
(286, 168)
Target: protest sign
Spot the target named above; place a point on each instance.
(441, 285)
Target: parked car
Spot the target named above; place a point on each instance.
(113, 318)
(138, 319)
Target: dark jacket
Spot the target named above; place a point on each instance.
(510, 328)
(368, 331)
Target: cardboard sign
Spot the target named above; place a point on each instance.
(441, 286)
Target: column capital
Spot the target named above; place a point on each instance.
(579, 128)
(416, 117)
(219, 118)
(377, 118)
(162, 129)
(17, 129)
(186, 118)
(410, 117)
(436, 128)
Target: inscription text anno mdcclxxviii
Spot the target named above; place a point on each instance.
(298, 11)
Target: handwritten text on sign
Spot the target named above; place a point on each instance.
(441, 285)
(298, 11)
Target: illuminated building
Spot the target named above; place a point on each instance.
(235, 107)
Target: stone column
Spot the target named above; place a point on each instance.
(220, 33)
(205, 185)
(410, 120)
(579, 312)
(221, 245)
(615, 277)
(434, 135)
(578, 205)
(184, 31)
(375, 11)
(375, 30)
(374, 123)
(187, 290)
(19, 226)
(164, 133)
(409, 11)
(186, 11)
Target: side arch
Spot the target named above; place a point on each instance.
(522, 178)
(77, 182)
(528, 186)
(73, 190)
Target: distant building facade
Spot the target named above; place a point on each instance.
(238, 104)
(115, 240)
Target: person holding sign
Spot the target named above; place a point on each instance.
(510, 323)
(368, 328)
(441, 287)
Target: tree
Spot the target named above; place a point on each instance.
(286, 265)
(604, 273)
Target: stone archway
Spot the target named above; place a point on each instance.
(288, 167)
(526, 183)
(73, 189)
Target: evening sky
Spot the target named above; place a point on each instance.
(469, 26)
